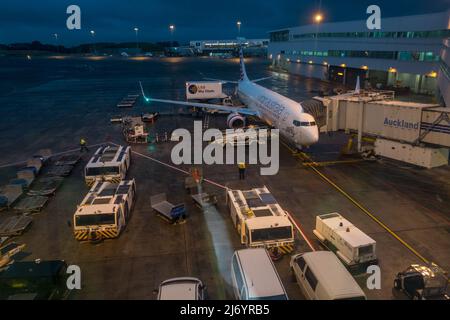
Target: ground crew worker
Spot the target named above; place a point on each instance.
(241, 167)
(83, 145)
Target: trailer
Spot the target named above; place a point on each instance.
(149, 117)
(45, 186)
(62, 166)
(116, 119)
(350, 244)
(204, 200)
(259, 220)
(128, 102)
(12, 193)
(173, 213)
(67, 160)
(43, 155)
(59, 171)
(109, 164)
(8, 252)
(31, 204)
(105, 211)
(134, 130)
(15, 226)
(25, 177)
(34, 164)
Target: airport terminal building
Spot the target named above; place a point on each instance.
(219, 47)
(408, 54)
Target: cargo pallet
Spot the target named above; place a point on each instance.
(15, 226)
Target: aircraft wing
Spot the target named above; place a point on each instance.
(262, 79)
(244, 111)
(219, 107)
(220, 80)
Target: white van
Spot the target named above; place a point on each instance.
(322, 276)
(254, 276)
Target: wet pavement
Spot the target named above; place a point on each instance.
(51, 103)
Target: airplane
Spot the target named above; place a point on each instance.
(295, 125)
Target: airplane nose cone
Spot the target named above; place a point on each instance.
(311, 137)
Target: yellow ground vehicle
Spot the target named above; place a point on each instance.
(259, 219)
(105, 211)
(109, 163)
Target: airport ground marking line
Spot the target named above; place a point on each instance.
(363, 209)
(223, 187)
(173, 167)
(52, 155)
(403, 242)
(330, 163)
(299, 229)
(312, 165)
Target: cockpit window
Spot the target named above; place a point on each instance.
(304, 124)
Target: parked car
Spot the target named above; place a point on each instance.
(182, 289)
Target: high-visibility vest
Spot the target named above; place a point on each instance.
(82, 142)
(241, 165)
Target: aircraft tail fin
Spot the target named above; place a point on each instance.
(143, 93)
(242, 64)
(358, 86)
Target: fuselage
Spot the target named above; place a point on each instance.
(298, 127)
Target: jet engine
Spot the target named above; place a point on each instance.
(235, 121)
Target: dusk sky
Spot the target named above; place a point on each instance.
(25, 20)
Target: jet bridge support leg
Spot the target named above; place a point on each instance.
(360, 125)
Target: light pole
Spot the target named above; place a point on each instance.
(239, 28)
(136, 30)
(93, 41)
(56, 41)
(172, 30)
(318, 18)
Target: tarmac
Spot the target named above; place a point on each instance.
(412, 202)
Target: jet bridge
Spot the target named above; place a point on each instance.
(411, 132)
